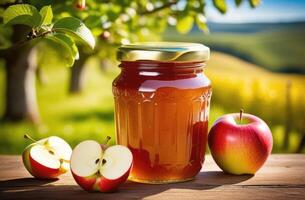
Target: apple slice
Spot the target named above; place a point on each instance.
(47, 158)
(44, 163)
(85, 158)
(96, 169)
(61, 148)
(115, 167)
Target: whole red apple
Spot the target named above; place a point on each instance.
(240, 143)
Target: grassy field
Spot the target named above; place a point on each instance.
(236, 84)
(73, 117)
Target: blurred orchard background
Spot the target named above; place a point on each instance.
(257, 63)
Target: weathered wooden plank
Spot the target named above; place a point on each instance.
(282, 177)
(221, 192)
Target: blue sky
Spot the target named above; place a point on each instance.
(268, 11)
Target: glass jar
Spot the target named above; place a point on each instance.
(162, 100)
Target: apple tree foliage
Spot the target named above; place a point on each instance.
(107, 22)
(64, 31)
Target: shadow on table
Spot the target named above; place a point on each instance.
(25, 182)
(25, 188)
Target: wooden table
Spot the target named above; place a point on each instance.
(282, 177)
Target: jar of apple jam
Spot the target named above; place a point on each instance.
(162, 100)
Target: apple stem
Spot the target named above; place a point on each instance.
(108, 138)
(241, 115)
(26, 136)
(64, 160)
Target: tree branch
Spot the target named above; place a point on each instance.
(164, 6)
(30, 37)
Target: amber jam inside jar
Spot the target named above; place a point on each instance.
(161, 114)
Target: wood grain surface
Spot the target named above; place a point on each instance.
(282, 177)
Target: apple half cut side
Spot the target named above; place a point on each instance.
(61, 148)
(115, 167)
(97, 170)
(84, 163)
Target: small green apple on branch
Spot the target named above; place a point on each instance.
(64, 32)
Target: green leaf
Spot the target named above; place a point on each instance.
(184, 24)
(254, 3)
(93, 21)
(22, 14)
(46, 15)
(70, 51)
(238, 2)
(220, 5)
(75, 28)
(201, 23)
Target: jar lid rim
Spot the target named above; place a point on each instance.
(164, 51)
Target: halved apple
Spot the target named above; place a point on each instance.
(47, 158)
(96, 169)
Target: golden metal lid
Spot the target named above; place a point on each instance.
(164, 51)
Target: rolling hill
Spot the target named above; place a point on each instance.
(279, 47)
